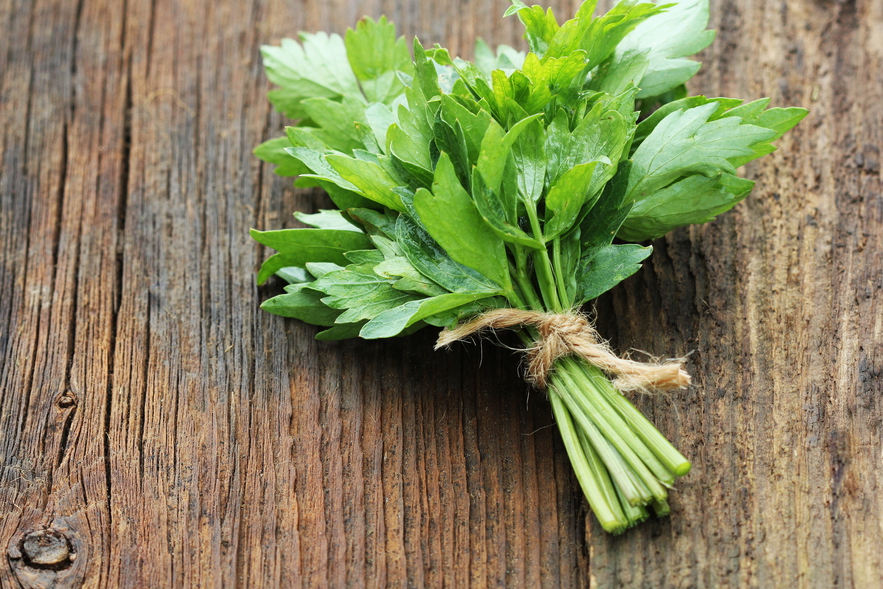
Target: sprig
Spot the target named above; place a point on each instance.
(524, 180)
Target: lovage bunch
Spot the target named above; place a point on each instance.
(508, 192)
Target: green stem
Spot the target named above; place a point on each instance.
(514, 296)
(599, 405)
(635, 492)
(605, 505)
(559, 274)
(654, 440)
(628, 445)
(523, 280)
(545, 275)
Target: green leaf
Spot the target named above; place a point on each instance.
(426, 76)
(615, 75)
(273, 151)
(326, 219)
(369, 178)
(295, 275)
(665, 39)
(452, 141)
(300, 302)
(450, 217)
(566, 199)
(335, 122)
(497, 214)
(495, 149)
(410, 137)
(275, 263)
(540, 27)
(379, 118)
(570, 251)
(320, 269)
(327, 244)
(407, 277)
(341, 331)
(359, 292)
(316, 69)
(307, 245)
(394, 321)
(685, 143)
(599, 227)
(599, 36)
(695, 199)
(343, 198)
(777, 120)
(648, 124)
(434, 263)
(320, 168)
(602, 135)
(372, 257)
(473, 125)
(505, 58)
(410, 150)
(375, 55)
(375, 221)
(530, 162)
(605, 267)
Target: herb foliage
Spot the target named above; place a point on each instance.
(525, 180)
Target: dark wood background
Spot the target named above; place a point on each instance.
(172, 434)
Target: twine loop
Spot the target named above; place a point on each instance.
(563, 334)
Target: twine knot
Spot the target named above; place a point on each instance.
(563, 334)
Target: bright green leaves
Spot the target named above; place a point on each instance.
(505, 58)
(393, 321)
(495, 150)
(602, 264)
(597, 37)
(451, 218)
(369, 178)
(375, 56)
(335, 122)
(663, 41)
(686, 142)
(605, 267)
(315, 68)
(332, 219)
(362, 68)
(695, 199)
(567, 198)
(273, 152)
(777, 120)
(305, 304)
(540, 26)
(360, 292)
(683, 170)
(463, 186)
(432, 261)
(297, 247)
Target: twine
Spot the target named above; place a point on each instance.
(563, 334)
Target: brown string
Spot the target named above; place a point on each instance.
(565, 334)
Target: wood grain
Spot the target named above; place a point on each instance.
(176, 436)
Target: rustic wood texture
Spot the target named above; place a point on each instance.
(157, 429)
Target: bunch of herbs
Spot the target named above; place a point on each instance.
(526, 180)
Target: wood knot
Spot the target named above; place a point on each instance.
(66, 400)
(47, 549)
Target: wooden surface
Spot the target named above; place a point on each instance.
(157, 429)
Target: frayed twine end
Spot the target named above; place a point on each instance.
(563, 334)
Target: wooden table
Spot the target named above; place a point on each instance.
(157, 429)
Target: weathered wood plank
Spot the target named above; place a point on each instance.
(175, 435)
